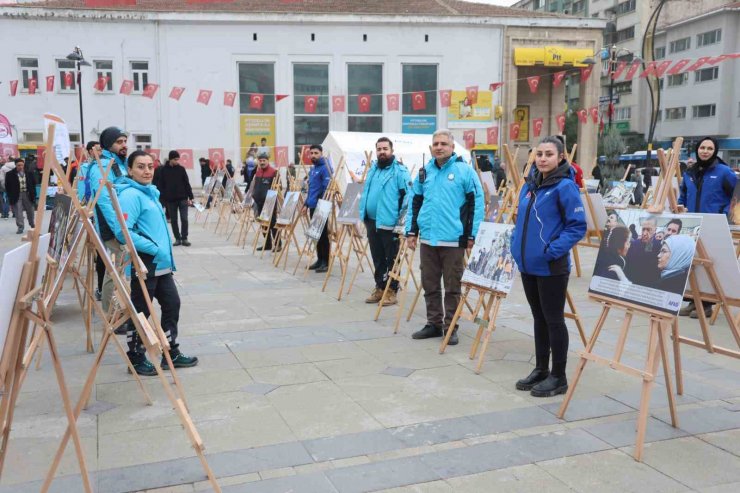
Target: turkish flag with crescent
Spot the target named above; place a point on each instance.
(49, 83)
(150, 90)
(281, 156)
(632, 71)
(678, 67)
(229, 98)
(310, 103)
(391, 101)
(126, 86)
(100, 83)
(472, 94)
(492, 135)
(594, 111)
(534, 83)
(698, 63)
(618, 70)
(216, 156)
(68, 80)
(176, 93)
(13, 87)
(306, 154)
(557, 78)
(32, 86)
(514, 129)
(445, 98)
(186, 158)
(418, 101)
(586, 72)
(337, 104)
(649, 69)
(560, 120)
(469, 138)
(582, 115)
(493, 86)
(537, 126)
(363, 103)
(204, 96)
(156, 154)
(256, 101)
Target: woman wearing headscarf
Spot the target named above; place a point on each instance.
(613, 252)
(674, 261)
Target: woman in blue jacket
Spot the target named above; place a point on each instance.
(147, 227)
(550, 221)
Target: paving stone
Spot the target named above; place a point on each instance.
(380, 475)
(397, 371)
(595, 407)
(352, 445)
(99, 407)
(624, 433)
(304, 483)
(439, 431)
(259, 459)
(513, 419)
(259, 388)
(703, 419)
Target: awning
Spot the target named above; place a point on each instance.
(551, 56)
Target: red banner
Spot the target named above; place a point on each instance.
(586, 72)
(618, 70)
(582, 115)
(176, 93)
(156, 154)
(13, 87)
(338, 104)
(391, 101)
(49, 83)
(492, 135)
(445, 97)
(469, 138)
(68, 80)
(216, 156)
(557, 78)
(255, 101)
(363, 103)
(9, 150)
(537, 126)
(32, 86)
(534, 83)
(101, 83)
(229, 98)
(150, 90)
(204, 96)
(514, 129)
(560, 120)
(280, 97)
(186, 158)
(698, 64)
(678, 67)
(281, 156)
(493, 86)
(472, 93)
(310, 103)
(632, 71)
(418, 101)
(594, 111)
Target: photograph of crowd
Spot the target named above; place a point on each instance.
(269, 206)
(319, 219)
(58, 225)
(620, 194)
(349, 212)
(645, 258)
(491, 264)
(289, 206)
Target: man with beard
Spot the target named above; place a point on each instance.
(318, 180)
(383, 197)
(263, 178)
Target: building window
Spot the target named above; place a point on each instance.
(33, 137)
(706, 74)
(310, 79)
(104, 68)
(67, 75)
(708, 38)
(537, 4)
(142, 142)
(621, 114)
(660, 52)
(29, 70)
(74, 139)
(140, 75)
(419, 78)
(257, 78)
(623, 87)
(625, 34)
(675, 113)
(704, 110)
(625, 7)
(682, 44)
(579, 6)
(365, 79)
(678, 79)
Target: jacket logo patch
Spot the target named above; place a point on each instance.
(578, 209)
(451, 176)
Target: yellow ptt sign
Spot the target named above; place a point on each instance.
(551, 56)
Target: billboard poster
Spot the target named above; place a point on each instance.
(254, 128)
(462, 113)
(521, 116)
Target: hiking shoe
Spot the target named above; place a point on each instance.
(392, 298)
(98, 295)
(550, 386)
(453, 338)
(375, 296)
(315, 265)
(538, 375)
(186, 243)
(177, 243)
(427, 332)
(144, 367)
(322, 268)
(686, 311)
(19, 231)
(707, 312)
(180, 361)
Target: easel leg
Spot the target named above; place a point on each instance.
(577, 261)
(455, 318)
(651, 368)
(489, 331)
(481, 327)
(662, 340)
(575, 316)
(677, 356)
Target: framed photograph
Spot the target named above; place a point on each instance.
(58, 226)
(619, 194)
(349, 212)
(289, 206)
(268, 208)
(491, 264)
(318, 220)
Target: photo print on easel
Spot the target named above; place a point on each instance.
(269, 206)
(349, 212)
(592, 186)
(619, 194)
(645, 258)
(733, 216)
(289, 206)
(58, 226)
(491, 264)
(319, 219)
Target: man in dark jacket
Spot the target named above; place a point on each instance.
(205, 170)
(177, 195)
(21, 189)
(318, 180)
(263, 179)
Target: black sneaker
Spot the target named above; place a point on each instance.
(19, 231)
(314, 265)
(98, 295)
(537, 376)
(453, 338)
(266, 248)
(144, 367)
(180, 361)
(427, 332)
(177, 243)
(550, 386)
(324, 267)
(185, 242)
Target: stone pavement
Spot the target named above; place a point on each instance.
(298, 392)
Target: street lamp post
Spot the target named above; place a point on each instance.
(613, 54)
(648, 55)
(79, 59)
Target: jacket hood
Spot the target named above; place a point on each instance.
(321, 162)
(453, 158)
(127, 182)
(563, 171)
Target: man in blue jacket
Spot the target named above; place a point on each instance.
(383, 197)
(318, 181)
(445, 211)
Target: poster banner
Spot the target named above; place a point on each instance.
(463, 113)
(61, 147)
(521, 116)
(645, 258)
(491, 264)
(419, 124)
(254, 128)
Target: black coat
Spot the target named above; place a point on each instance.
(173, 183)
(13, 186)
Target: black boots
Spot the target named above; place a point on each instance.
(427, 332)
(538, 375)
(542, 383)
(552, 385)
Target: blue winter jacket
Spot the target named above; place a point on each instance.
(446, 204)
(389, 187)
(709, 191)
(105, 216)
(318, 179)
(550, 221)
(84, 193)
(147, 226)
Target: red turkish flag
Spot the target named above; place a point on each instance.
(305, 154)
(32, 86)
(176, 93)
(649, 70)
(391, 101)
(68, 79)
(338, 104)
(101, 83)
(280, 97)
(204, 96)
(678, 67)
(186, 158)
(156, 154)
(445, 97)
(632, 71)
(662, 67)
(534, 83)
(586, 72)
(514, 130)
(492, 135)
(719, 59)
(150, 90)
(557, 78)
(40, 156)
(126, 86)
(610, 109)
(229, 98)
(560, 120)
(255, 101)
(13, 87)
(49, 83)
(618, 70)
(309, 103)
(472, 94)
(601, 125)
(469, 138)
(493, 86)
(698, 64)
(363, 103)
(537, 126)
(582, 115)
(594, 111)
(418, 101)
(281, 156)
(216, 156)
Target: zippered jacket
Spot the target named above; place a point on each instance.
(105, 215)
(388, 188)
(710, 190)
(318, 181)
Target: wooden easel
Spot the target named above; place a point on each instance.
(202, 201)
(264, 225)
(402, 271)
(510, 201)
(347, 231)
(286, 231)
(660, 327)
